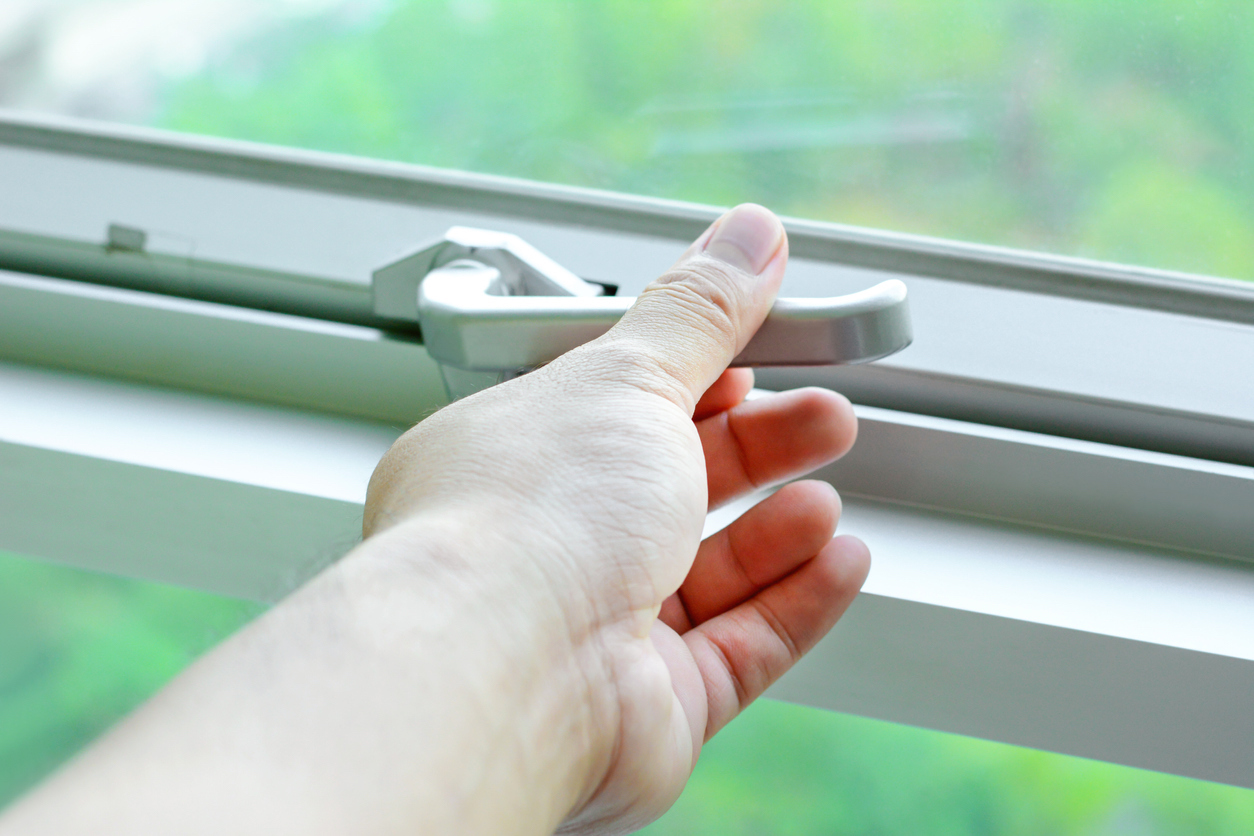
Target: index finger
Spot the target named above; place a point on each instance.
(729, 390)
(769, 440)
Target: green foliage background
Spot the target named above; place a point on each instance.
(1118, 129)
(79, 649)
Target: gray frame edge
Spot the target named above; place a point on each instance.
(1222, 299)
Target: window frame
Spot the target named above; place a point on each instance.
(207, 394)
(1108, 353)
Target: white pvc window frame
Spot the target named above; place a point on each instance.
(1055, 481)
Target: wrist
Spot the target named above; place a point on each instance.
(473, 610)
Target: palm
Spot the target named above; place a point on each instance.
(759, 593)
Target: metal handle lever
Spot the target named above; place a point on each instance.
(490, 306)
(466, 325)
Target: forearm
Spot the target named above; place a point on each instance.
(398, 692)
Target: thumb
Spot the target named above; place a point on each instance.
(688, 325)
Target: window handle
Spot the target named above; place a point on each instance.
(490, 307)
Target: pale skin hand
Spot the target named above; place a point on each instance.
(532, 635)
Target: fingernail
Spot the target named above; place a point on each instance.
(746, 238)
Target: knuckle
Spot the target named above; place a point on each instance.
(709, 292)
(632, 361)
(792, 649)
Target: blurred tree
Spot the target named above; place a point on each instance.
(79, 650)
(1003, 121)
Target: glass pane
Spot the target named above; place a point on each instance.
(78, 650)
(1116, 129)
(783, 769)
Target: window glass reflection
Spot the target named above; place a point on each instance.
(1121, 129)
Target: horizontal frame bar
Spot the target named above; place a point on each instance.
(223, 350)
(1041, 411)
(1133, 377)
(1194, 295)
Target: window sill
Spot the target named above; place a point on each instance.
(1005, 630)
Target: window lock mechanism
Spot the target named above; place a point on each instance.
(491, 307)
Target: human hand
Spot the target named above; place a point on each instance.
(532, 634)
(577, 496)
